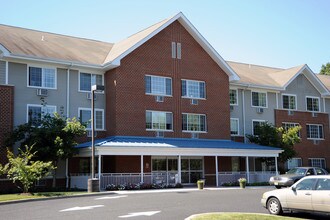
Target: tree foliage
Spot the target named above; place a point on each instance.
(268, 135)
(325, 69)
(24, 169)
(53, 137)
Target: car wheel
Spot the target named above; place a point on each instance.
(278, 187)
(274, 206)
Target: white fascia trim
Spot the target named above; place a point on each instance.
(173, 151)
(233, 76)
(310, 76)
(4, 51)
(267, 88)
(55, 61)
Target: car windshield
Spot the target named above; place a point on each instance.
(299, 171)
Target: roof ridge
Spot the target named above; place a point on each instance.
(57, 34)
(257, 65)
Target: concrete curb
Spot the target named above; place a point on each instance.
(121, 192)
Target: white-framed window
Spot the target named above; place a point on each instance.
(256, 125)
(36, 112)
(317, 162)
(259, 99)
(289, 101)
(158, 85)
(159, 121)
(193, 122)
(294, 162)
(41, 77)
(233, 97)
(312, 104)
(86, 80)
(193, 89)
(287, 125)
(85, 116)
(234, 126)
(315, 131)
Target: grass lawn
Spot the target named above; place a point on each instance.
(239, 216)
(9, 197)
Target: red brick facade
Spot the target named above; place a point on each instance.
(6, 117)
(126, 101)
(307, 148)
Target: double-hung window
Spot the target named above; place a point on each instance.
(42, 77)
(294, 162)
(36, 112)
(87, 80)
(256, 126)
(314, 131)
(317, 162)
(233, 96)
(193, 89)
(194, 122)
(159, 121)
(313, 104)
(234, 126)
(157, 85)
(259, 99)
(289, 102)
(85, 116)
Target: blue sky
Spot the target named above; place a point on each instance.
(281, 33)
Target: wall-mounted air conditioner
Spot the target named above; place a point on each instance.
(42, 92)
(89, 96)
(160, 134)
(194, 101)
(260, 110)
(159, 98)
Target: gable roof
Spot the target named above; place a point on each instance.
(26, 43)
(31, 44)
(325, 79)
(256, 76)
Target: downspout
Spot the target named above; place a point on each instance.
(7, 73)
(324, 105)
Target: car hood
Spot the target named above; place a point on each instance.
(291, 176)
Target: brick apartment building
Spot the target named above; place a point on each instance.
(165, 114)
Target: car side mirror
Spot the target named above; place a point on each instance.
(308, 173)
(294, 188)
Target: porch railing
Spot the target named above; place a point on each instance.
(254, 176)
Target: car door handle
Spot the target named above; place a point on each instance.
(308, 194)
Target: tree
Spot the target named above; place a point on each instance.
(268, 135)
(24, 169)
(325, 69)
(53, 137)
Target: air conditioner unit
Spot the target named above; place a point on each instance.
(290, 112)
(316, 142)
(194, 101)
(194, 135)
(89, 96)
(314, 114)
(159, 98)
(89, 133)
(160, 134)
(260, 110)
(42, 92)
(231, 108)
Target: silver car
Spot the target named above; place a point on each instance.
(311, 194)
(294, 175)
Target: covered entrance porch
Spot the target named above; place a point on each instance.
(123, 160)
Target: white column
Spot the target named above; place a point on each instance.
(216, 171)
(100, 170)
(276, 170)
(247, 169)
(141, 169)
(179, 169)
(7, 73)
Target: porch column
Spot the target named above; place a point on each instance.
(141, 169)
(179, 169)
(216, 171)
(247, 169)
(276, 170)
(99, 170)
